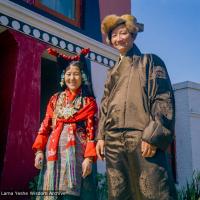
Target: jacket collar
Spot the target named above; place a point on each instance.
(134, 51)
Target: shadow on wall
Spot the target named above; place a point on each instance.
(8, 59)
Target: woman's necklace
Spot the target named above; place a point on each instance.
(72, 106)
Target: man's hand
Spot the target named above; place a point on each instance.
(100, 149)
(86, 167)
(148, 150)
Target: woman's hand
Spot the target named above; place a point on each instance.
(39, 157)
(86, 167)
(100, 149)
(148, 150)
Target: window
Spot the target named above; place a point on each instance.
(67, 10)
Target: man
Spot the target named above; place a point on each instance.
(137, 117)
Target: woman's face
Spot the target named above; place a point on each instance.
(73, 79)
(121, 39)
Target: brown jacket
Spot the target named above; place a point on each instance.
(138, 96)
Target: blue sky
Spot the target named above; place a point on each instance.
(172, 31)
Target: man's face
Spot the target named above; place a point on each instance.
(121, 39)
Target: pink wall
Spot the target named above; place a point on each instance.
(118, 7)
(24, 115)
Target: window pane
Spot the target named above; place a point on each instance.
(65, 7)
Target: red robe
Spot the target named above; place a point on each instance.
(86, 113)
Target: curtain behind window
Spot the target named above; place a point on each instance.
(65, 7)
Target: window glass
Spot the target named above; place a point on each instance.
(65, 7)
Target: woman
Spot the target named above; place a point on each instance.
(64, 146)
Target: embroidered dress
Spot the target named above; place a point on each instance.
(67, 136)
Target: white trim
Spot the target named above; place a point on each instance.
(31, 18)
(186, 85)
(195, 114)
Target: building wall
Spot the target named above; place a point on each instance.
(24, 118)
(99, 74)
(187, 95)
(119, 7)
(194, 107)
(195, 138)
(90, 17)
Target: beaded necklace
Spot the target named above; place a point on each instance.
(65, 107)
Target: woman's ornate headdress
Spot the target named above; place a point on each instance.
(62, 58)
(65, 60)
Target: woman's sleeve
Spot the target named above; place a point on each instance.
(45, 128)
(90, 150)
(160, 130)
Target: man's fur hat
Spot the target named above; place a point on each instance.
(110, 22)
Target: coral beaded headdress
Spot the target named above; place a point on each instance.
(65, 60)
